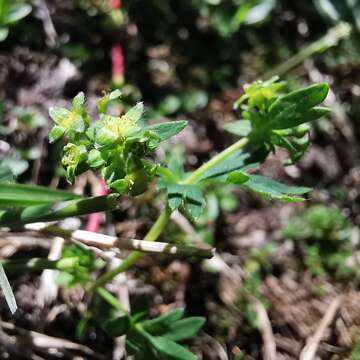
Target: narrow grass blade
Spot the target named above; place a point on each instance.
(7, 291)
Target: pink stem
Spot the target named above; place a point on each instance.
(94, 220)
(118, 64)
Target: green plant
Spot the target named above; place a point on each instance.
(324, 234)
(228, 17)
(10, 13)
(119, 147)
(157, 338)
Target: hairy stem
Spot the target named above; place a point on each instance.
(330, 39)
(36, 264)
(203, 169)
(152, 235)
(161, 223)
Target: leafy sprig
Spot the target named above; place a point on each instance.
(157, 338)
(115, 145)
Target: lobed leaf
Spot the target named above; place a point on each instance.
(191, 195)
(272, 189)
(236, 161)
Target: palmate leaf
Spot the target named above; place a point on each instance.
(236, 161)
(274, 190)
(19, 195)
(191, 196)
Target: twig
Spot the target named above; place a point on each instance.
(184, 224)
(48, 289)
(106, 242)
(264, 325)
(49, 28)
(28, 338)
(311, 347)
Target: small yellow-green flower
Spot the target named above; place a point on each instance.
(112, 129)
(73, 156)
(66, 120)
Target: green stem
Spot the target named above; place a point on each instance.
(51, 212)
(202, 170)
(152, 235)
(110, 299)
(162, 221)
(36, 264)
(330, 39)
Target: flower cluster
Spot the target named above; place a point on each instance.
(115, 145)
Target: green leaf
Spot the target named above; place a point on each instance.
(58, 114)
(194, 201)
(296, 108)
(78, 102)
(191, 195)
(236, 161)
(56, 133)
(166, 130)
(6, 175)
(120, 186)
(95, 159)
(162, 323)
(104, 136)
(106, 99)
(240, 127)
(272, 189)
(170, 348)
(19, 195)
(17, 12)
(118, 327)
(135, 113)
(57, 211)
(237, 177)
(185, 329)
(4, 32)
(17, 165)
(260, 12)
